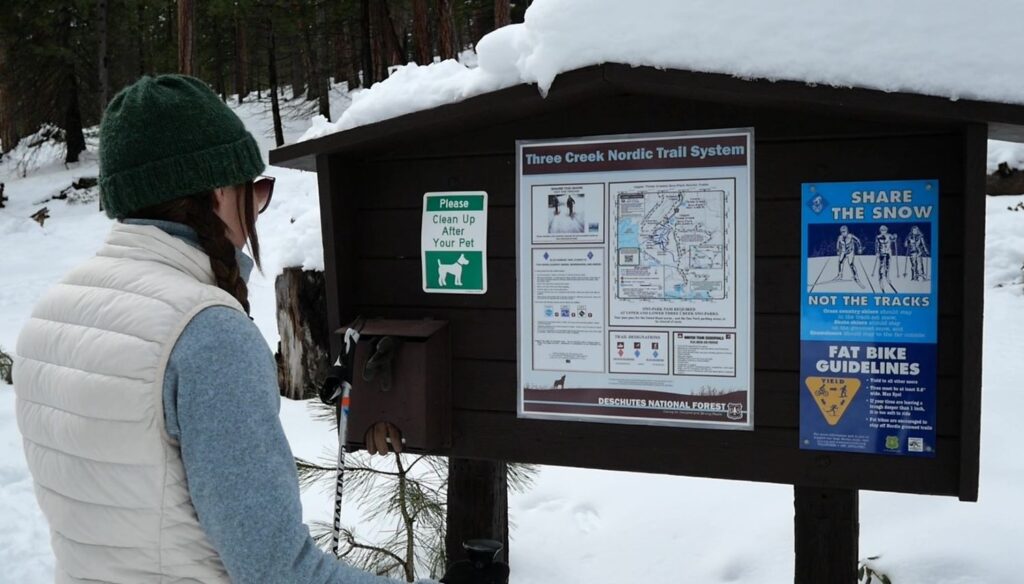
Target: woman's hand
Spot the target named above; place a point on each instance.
(377, 438)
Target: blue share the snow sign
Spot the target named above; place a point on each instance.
(868, 316)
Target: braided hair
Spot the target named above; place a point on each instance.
(197, 211)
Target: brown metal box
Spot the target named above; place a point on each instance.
(418, 397)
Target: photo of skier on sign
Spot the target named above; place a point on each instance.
(848, 246)
(917, 252)
(563, 217)
(886, 246)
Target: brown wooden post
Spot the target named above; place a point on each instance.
(826, 535)
(975, 154)
(477, 505)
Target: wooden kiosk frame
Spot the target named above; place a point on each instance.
(372, 180)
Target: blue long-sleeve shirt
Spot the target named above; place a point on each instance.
(221, 402)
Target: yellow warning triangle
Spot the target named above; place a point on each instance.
(833, 395)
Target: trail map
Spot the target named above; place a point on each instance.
(635, 279)
(671, 241)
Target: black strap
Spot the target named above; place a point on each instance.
(341, 372)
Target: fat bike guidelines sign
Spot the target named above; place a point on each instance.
(868, 321)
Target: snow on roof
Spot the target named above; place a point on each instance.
(954, 48)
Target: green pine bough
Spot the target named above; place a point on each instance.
(407, 492)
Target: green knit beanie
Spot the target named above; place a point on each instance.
(167, 137)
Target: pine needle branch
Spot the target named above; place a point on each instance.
(311, 473)
(351, 542)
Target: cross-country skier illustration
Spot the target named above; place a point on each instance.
(917, 251)
(885, 248)
(847, 247)
(835, 260)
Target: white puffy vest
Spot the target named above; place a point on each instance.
(89, 378)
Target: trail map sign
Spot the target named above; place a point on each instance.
(869, 313)
(454, 243)
(635, 263)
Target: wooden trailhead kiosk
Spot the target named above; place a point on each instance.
(808, 260)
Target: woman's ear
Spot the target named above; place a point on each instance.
(225, 207)
(220, 196)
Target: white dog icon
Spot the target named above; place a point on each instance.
(454, 269)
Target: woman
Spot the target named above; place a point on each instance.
(147, 398)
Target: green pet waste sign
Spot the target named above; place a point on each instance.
(454, 243)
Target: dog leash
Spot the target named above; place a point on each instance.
(336, 391)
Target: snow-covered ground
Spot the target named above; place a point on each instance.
(1009, 153)
(574, 526)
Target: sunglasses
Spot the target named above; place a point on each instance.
(263, 191)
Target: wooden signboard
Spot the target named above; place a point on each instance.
(372, 183)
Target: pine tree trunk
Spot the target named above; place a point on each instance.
(272, 78)
(186, 37)
(73, 136)
(483, 20)
(74, 139)
(140, 40)
(387, 48)
(257, 69)
(351, 46)
(323, 62)
(102, 56)
(446, 29)
(297, 74)
(8, 136)
(366, 43)
(218, 65)
(309, 60)
(393, 46)
(502, 13)
(345, 68)
(380, 56)
(6, 133)
(519, 10)
(170, 32)
(421, 32)
(241, 59)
